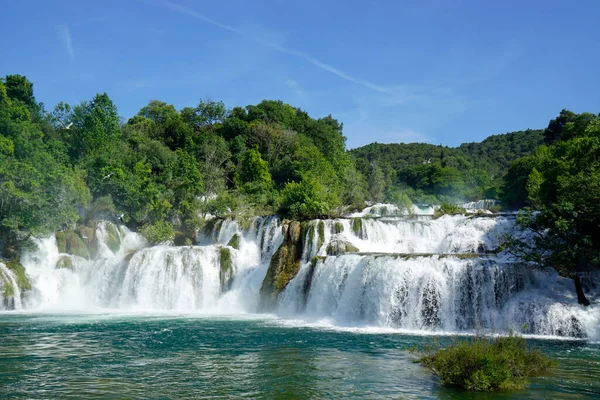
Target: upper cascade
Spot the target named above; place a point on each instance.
(406, 235)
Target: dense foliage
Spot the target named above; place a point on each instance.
(481, 364)
(560, 185)
(433, 174)
(164, 169)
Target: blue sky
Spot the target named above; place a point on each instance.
(438, 71)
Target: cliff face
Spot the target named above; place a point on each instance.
(284, 264)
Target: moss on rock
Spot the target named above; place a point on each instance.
(235, 241)
(338, 227)
(20, 275)
(184, 238)
(284, 264)
(113, 238)
(321, 232)
(225, 268)
(8, 290)
(88, 235)
(64, 262)
(308, 281)
(339, 246)
(357, 227)
(69, 242)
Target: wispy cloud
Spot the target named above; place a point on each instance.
(389, 90)
(192, 13)
(295, 87)
(65, 36)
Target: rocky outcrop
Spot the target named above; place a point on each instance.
(358, 229)
(226, 271)
(284, 264)
(113, 238)
(70, 242)
(64, 262)
(235, 241)
(88, 236)
(338, 246)
(185, 238)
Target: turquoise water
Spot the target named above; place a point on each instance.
(107, 356)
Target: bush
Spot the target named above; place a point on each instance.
(481, 364)
(158, 232)
(449, 209)
(307, 199)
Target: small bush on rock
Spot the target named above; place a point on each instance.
(482, 364)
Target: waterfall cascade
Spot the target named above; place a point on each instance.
(410, 272)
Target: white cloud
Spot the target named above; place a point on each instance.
(65, 36)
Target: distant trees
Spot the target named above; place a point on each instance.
(429, 173)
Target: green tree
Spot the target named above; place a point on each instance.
(376, 184)
(564, 187)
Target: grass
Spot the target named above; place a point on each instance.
(488, 364)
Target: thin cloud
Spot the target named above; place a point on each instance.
(296, 53)
(65, 35)
(192, 13)
(294, 86)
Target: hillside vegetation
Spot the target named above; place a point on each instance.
(164, 169)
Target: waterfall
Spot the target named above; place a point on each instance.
(410, 272)
(136, 277)
(437, 293)
(10, 294)
(480, 205)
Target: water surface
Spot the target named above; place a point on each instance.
(110, 356)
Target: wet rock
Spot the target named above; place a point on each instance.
(64, 262)
(225, 268)
(235, 241)
(284, 264)
(338, 246)
(69, 242)
(113, 238)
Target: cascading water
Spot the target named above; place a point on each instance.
(410, 272)
(485, 204)
(438, 293)
(10, 294)
(136, 277)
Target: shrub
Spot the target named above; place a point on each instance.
(482, 364)
(158, 232)
(307, 199)
(449, 209)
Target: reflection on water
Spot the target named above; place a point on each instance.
(79, 357)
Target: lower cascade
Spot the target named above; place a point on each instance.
(413, 273)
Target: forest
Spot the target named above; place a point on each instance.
(163, 170)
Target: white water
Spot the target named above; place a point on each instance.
(7, 276)
(439, 293)
(405, 277)
(392, 210)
